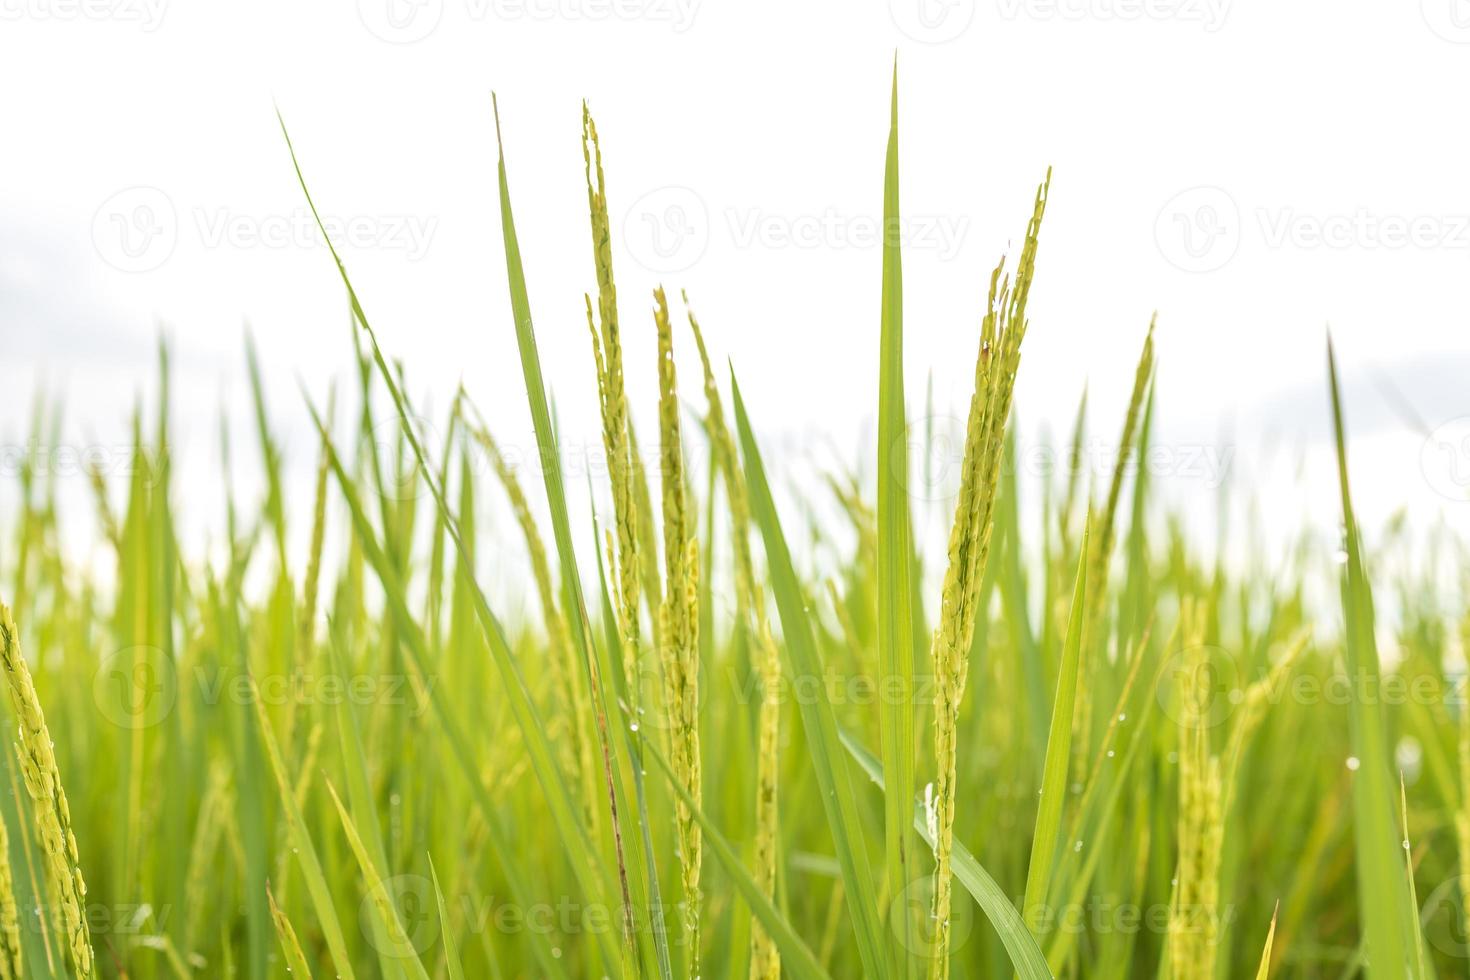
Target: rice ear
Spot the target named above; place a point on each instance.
(53, 815)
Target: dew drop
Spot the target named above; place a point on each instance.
(1352, 763)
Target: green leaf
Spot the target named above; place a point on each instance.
(895, 555)
(796, 958)
(1382, 891)
(1045, 839)
(819, 721)
(1019, 944)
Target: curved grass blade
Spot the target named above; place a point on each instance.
(311, 866)
(290, 945)
(819, 721)
(389, 924)
(1019, 944)
(796, 958)
(574, 601)
(413, 639)
(578, 848)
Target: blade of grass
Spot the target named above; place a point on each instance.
(390, 926)
(452, 964)
(818, 718)
(305, 850)
(795, 956)
(1381, 888)
(559, 800)
(1020, 945)
(1045, 840)
(895, 593)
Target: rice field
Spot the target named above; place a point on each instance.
(1065, 745)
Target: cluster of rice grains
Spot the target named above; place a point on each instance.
(58, 845)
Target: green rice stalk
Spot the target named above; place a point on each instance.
(1102, 549)
(577, 748)
(679, 625)
(10, 947)
(765, 959)
(53, 815)
(1193, 937)
(607, 349)
(1001, 333)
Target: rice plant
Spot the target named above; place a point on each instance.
(725, 740)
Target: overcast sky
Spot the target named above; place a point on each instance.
(1254, 172)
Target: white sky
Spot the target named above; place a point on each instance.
(1253, 171)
